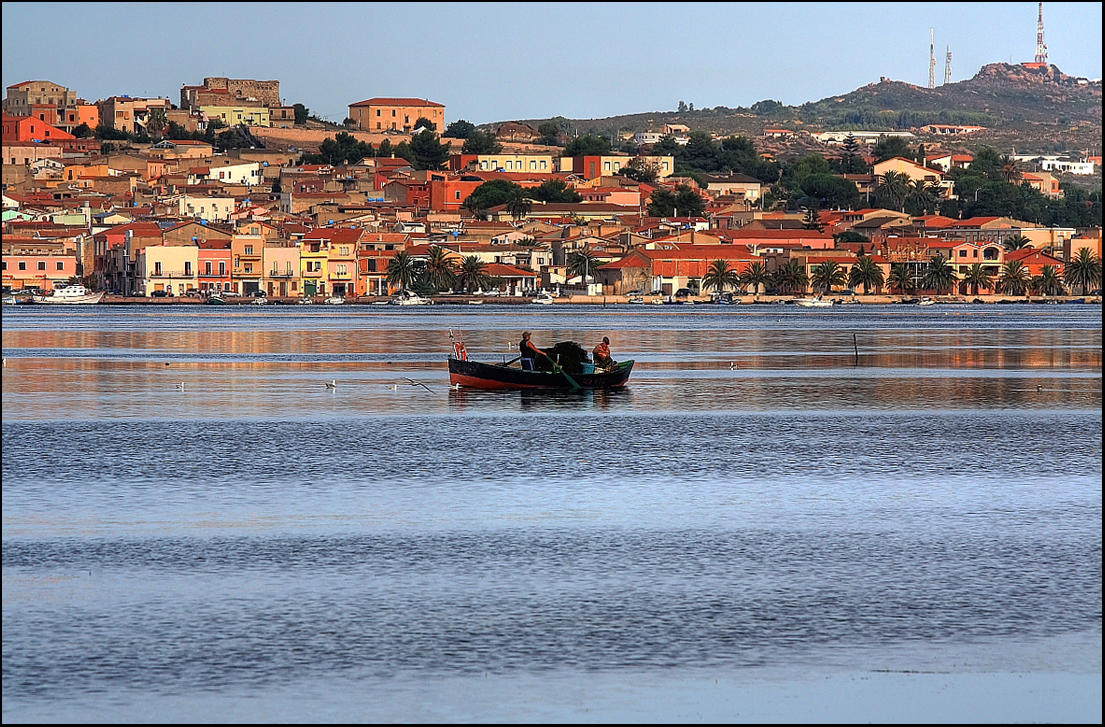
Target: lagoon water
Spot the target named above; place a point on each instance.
(865, 513)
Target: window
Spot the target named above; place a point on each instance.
(249, 250)
(157, 268)
(61, 266)
(207, 268)
(249, 267)
(379, 112)
(23, 265)
(962, 253)
(222, 267)
(188, 268)
(606, 166)
(42, 265)
(458, 195)
(393, 112)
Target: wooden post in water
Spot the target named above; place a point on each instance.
(856, 347)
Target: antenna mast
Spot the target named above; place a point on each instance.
(1041, 46)
(932, 56)
(948, 66)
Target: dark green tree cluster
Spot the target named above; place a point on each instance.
(683, 202)
(341, 149)
(703, 155)
(482, 142)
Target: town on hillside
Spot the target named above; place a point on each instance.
(233, 192)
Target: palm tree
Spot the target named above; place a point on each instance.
(402, 270)
(719, 277)
(1083, 271)
(978, 276)
(440, 272)
(900, 278)
(472, 274)
(828, 275)
(1015, 278)
(1049, 281)
(519, 204)
(895, 185)
(865, 272)
(582, 263)
(939, 275)
(1008, 169)
(922, 196)
(754, 276)
(1016, 242)
(791, 278)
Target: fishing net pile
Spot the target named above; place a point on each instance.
(569, 355)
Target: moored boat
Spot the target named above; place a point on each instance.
(817, 302)
(71, 295)
(406, 297)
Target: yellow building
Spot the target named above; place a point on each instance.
(172, 269)
(238, 115)
(395, 114)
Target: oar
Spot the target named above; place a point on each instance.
(562, 372)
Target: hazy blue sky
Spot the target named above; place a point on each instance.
(501, 61)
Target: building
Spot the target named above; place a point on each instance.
(218, 91)
(36, 263)
(238, 115)
(395, 114)
(29, 128)
(168, 268)
(130, 114)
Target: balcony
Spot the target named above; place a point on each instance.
(174, 274)
(281, 274)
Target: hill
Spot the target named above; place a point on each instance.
(1036, 109)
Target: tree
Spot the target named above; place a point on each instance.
(401, 270)
(349, 123)
(301, 113)
(889, 147)
(719, 277)
(831, 191)
(828, 275)
(813, 219)
(556, 190)
(1015, 278)
(921, 198)
(684, 202)
(424, 123)
(157, 122)
(491, 194)
(792, 277)
(582, 263)
(979, 277)
(893, 189)
(459, 129)
(341, 149)
(900, 278)
(480, 142)
(472, 274)
(550, 133)
(587, 145)
(1016, 242)
(108, 133)
(865, 272)
(1008, 169)
(1049, 281)
(850, 236)
(1083, 271)
(439, 271)
(755, 277)
(428, 152)
(641, 170)
(519, 204)
(939, 275)
(83, 131)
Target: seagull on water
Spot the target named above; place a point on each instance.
(1039, 387)
(332, 384)
(732, 366)
(454, 387)
(180, 386)
(393, 387)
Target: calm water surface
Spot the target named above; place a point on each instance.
(196, 529)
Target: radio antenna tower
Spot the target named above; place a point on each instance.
(948, 66)
(1041, 46)
(932, 56)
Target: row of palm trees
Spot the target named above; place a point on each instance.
(939, 275)
(438, 272)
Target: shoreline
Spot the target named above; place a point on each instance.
(622, 300)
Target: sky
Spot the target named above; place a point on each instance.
(490, 62)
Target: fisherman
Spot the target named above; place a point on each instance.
(529, 352)
(601, 354)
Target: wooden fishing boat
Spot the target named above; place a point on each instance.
(465, 373)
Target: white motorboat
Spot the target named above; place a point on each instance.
(817, 302)
(406, 297)
(543, 298)
(335, 300)
(927, 301)
(71, 295)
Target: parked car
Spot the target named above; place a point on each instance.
(683, 293)
(159, 294)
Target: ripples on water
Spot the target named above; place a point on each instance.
(256, 530)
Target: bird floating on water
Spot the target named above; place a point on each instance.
(332, 384)
(393, 387)
(732, 366)
(1039, 387)
(180, 386)
(454, 387)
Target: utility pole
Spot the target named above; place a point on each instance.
(1041, 46)
(932, 58)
